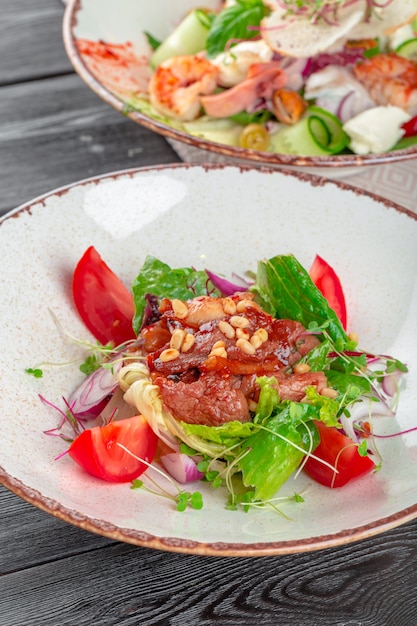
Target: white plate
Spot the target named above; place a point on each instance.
(224, 219)
(115, 79)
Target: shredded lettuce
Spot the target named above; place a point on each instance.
(141, 393)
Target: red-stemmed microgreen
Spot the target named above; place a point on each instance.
(182, 499)
(67, 418)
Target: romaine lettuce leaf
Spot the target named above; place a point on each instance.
(271, 455)
(285, 290)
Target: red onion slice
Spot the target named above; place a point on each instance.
(390, 383)
(89, 399)
(181, 467)
(226, 287)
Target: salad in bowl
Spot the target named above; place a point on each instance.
(241, 385)
(330, 82)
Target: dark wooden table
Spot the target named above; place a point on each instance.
(54, 131)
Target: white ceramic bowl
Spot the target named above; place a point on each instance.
(224, 219)
(126, 21)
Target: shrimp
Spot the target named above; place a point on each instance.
(390, 79)
(177, 84)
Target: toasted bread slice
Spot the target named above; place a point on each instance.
(298, 37)
(385, 21)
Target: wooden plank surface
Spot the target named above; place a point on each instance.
(83, 581)
(30, 537)
(55, 131)
(31, 44)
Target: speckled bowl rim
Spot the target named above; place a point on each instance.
(244, 155)
(183, 545)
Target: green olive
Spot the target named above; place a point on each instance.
(254, 137)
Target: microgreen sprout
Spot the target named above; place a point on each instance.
(94, 360)
(36, 372)
(67, 418)
(246, 502)
(363, 448)
(182, 499)
(358, 363)
(325, 11)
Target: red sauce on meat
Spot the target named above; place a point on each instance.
(198, 386)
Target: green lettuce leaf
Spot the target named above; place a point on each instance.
(159, 279)
(285, 290)
(233, 23)
(227, 434)
(348, 383)
(273, 453)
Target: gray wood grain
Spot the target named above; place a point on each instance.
(31, 41)
(370, 583)
(56, 131)
(30, 537)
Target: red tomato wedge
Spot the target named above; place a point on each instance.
(97, 452)
(410, 127)
(103, 302)
(341, 453)
(328, 282)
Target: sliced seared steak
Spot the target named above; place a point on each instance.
(205, 355)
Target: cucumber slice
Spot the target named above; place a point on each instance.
(189, 37)
(304, 138)
(318, 133)
(408, 49)
(218, 130)
(338, 138)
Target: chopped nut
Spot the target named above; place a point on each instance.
(188, 342)
(329, 393)
(219, 352)
(259, 337)
(301, 368)
(237, 321)
(245, 346)
(180, 309)
(242, 305)
(242, 333)
(227, 330)
(170, 354)
(177, 338)
(229, 306)
(263, 334)
(256, 341)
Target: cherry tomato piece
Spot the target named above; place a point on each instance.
(328, 282)
(410, 127)
(97, 452)
(254, 137)
(342, 453)
(103, 302)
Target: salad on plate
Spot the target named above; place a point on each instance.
(305, 78)
(241, 383)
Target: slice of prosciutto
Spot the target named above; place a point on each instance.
(261, 82)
